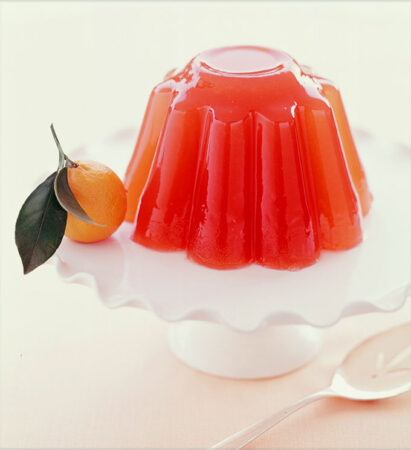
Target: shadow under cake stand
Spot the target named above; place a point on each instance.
(255, 322)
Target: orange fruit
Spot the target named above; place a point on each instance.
(101, 194)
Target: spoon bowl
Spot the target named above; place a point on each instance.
(378, 368)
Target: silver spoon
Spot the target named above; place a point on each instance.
(377, 368)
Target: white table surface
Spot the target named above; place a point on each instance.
(74, 374)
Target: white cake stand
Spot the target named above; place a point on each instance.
(255, 322)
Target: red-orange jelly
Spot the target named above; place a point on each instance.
(245, 157)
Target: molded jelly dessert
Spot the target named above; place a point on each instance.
(245, 156)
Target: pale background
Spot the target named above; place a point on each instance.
(73, 374)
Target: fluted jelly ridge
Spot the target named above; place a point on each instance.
(244, 156)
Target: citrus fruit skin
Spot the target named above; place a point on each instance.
(101, 194)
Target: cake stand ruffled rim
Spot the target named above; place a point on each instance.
(388, 303)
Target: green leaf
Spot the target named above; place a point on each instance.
(40, 225)
(66, 197)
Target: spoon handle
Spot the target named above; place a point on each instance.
(247, 435)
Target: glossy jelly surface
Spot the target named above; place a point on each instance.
(245, 157)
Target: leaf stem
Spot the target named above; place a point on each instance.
(71, 163)
(62, 156)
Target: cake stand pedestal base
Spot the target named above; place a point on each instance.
(219, 350)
